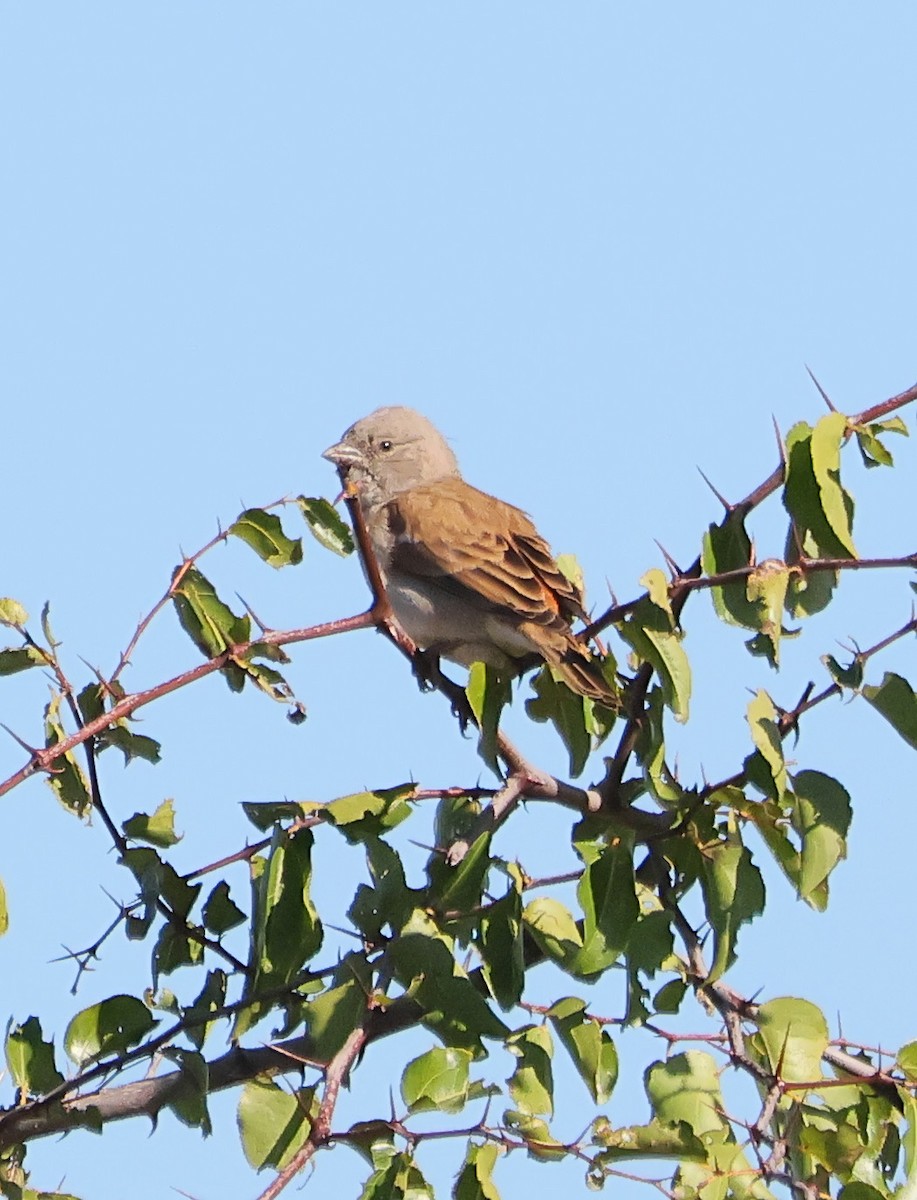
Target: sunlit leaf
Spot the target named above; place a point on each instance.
(157, 830)
(795, 1036)
(12, 613)
(274, 1122)
(30, 1059)
(437, 1080)
(325, 524)
(488, 692)
(475, 1179)
(109, 1027)
(264, 533)
(896, 700)
(531, 1084)
(588, 1044)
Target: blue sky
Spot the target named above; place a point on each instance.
(595, 243)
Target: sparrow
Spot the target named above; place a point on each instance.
(468, 576)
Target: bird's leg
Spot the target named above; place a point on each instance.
(425, 664)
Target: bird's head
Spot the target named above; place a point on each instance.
(390, 451)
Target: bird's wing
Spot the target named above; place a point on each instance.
(473, 545)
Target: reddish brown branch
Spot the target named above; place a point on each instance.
(43, 758)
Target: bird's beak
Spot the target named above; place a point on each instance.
(343, 456)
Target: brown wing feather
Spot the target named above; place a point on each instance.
(484, 549)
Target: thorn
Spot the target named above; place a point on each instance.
(670, 561)
(725, 503)
(254, 616)
(613, 595)
(18, 740)
(95, 670)
(781, 445)
(821, 391)
(424, 846)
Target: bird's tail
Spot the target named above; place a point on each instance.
(583, 674)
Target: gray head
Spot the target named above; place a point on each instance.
(391, 450)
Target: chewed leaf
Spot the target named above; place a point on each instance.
(325, 524)
(263, 532)
(211, 624)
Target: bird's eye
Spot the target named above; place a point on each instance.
(385, 444)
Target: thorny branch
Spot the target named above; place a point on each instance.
(60, 1109)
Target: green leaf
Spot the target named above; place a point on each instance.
(334, 1013)
(453, 1007)
(554, 929)
(657, 588)
(457, 890)
(157, 830)
(765, 733)
(531, 1084)
(265, 814)
(873, 450)
(399, 1178)
(808, 592)
(766, 587)
(12, 613)
(131, 745)
(285, 928)
(733, 896)
(370, 814)
(540, 1142)
(109, 1027)
(649, 948)
(4, 911)
(390, 901)
(210, 1001)
(906, 1061)
(176, 948)
(895, 699)
(326, 525)
(607, 893)
(220, 913)
(270, 681)
(657, 1139)
(500, 944)
(658, 777)
(437, 1080)
(211, 624)
(592, 1050)
(287, 920)
(858, 1190)
(264, 533)
(158, 878)
(574, 717)
(30, 1059)
(488, 692)
(669, 997)
(821, 817)
(475, 1179)
(274, 1122)
(20, 658)
(849, 677)
(727, 547)
(827, 439)
(795, 1036)
(813, 495)
(66, 778)
(189, 1100)
(686, 1087)
(648, 630)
